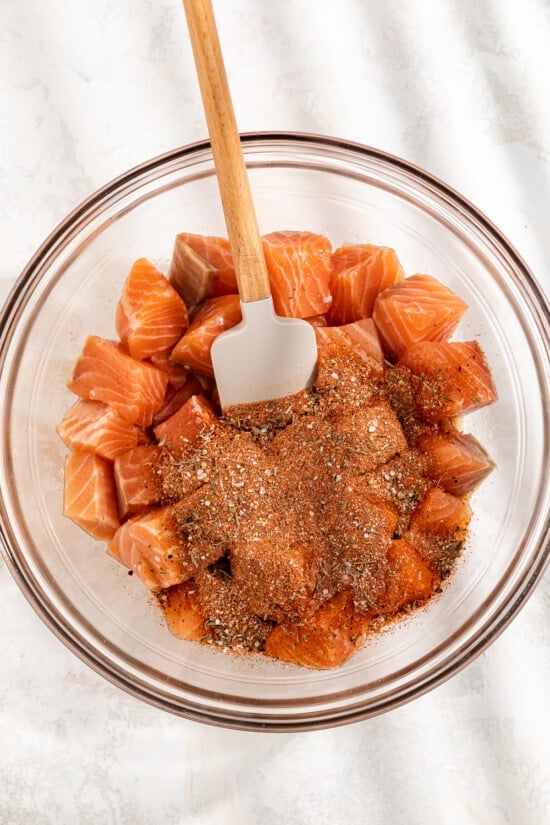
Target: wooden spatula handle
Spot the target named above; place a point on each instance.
(240, 217)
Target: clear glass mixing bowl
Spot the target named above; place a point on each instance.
(350, 193)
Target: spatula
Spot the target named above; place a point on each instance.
(265, 356)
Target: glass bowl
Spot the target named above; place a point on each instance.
(70, 288)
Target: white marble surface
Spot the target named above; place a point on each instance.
(90, 88)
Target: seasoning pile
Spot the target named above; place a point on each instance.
(293, 527)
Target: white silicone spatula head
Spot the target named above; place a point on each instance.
(265, 356)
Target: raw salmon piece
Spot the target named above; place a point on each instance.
(420, 308)
(195, 418)
(441, 512)
(217, 254)
(137, 480)
(371, 435)
(90, 495)
(215, 316)
(438, 528)
(190, 274)
(362, 336)
(177, 374)
(182, 384)
(361, 536)
(408, 577)
(298, 264)
(158, 538)
(456, 460)
(151, 545)
(276, 576)
(176, 398)
(95, 427)
(150, 315)
(182, 611)
(358, 274)
(226, 623)
(450, 378)
(323, 641)
(105, 372)
(136, 563)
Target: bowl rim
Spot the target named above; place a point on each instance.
(236, 719)
(248, 139)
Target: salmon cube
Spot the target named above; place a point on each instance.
(128, 554)
(360, 540)
(105, 372)
(186, 426)
(276, 576)
(178, 374)
(325, 640)
(361, 336)
(438, 528)
(225, 621)
(408, 577)
(182, 611)
(150, 315)
(456, 460)
(401, 483)
(190, 274)
(441, 512)
(202, 518)
(215, 316)
(92, 426)
(358, 274)
(420, 308)
(450, 378)
(182, 384)
(298, 265)
(154, 547)
(90, 496)
(176, 398)
(209, 272)
(371, 435)
(137, 478)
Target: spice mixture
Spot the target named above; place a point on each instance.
(299, 500)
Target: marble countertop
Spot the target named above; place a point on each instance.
(91, 88)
